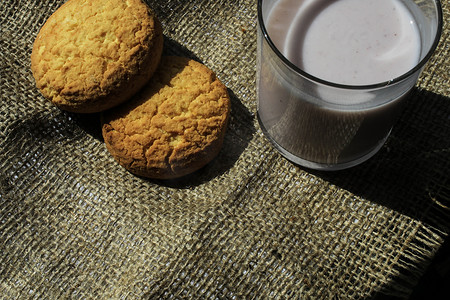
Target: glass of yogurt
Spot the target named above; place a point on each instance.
(333, 75)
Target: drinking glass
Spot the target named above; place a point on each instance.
(330, 126)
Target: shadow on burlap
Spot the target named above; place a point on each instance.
(74, 224)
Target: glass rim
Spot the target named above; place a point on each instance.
(395, 80)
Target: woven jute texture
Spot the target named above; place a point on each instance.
(74, 224)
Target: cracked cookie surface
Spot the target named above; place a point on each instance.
(91, 55)
(174, 125)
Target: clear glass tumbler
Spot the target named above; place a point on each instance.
(329, 126)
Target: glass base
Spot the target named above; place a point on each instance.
(320, 166)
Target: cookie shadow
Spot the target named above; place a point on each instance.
(89, 123)
(172, 47)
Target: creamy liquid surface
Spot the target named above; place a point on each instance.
(354, 42)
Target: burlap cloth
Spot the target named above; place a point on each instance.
(74, 224)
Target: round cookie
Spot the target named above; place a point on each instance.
(91, 55)
(174, 125)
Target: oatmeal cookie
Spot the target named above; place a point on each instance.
(91, 55)
(174, 125)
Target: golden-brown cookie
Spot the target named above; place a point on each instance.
(91, 55)
(174, 125)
